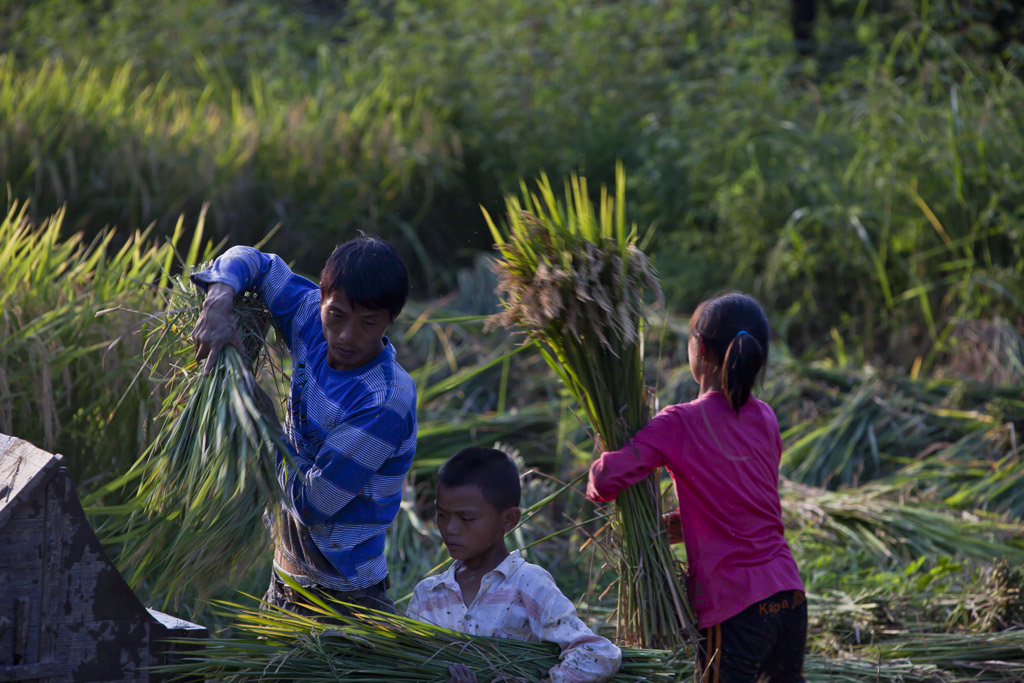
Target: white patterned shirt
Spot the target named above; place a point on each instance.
(521, 601)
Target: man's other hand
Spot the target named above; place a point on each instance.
(216, 326)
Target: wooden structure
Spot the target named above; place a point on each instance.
(66, 613)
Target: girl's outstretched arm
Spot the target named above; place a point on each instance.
(617, 470)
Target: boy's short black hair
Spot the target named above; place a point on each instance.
(488, 469)
(370, 272)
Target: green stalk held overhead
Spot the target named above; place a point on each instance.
(195, 521)
(572, 277)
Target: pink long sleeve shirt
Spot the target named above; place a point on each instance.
(726, 473)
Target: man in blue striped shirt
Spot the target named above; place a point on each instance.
(351, 414)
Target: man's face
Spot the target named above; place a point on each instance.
(353, 333)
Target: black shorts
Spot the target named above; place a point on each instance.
(764, 642)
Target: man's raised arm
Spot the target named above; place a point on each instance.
(291, 298)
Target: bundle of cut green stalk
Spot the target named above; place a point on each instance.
(193, 522)
(572, 278)
(818, 669)
(987, 599)
(374, 646)
(975, 657)
(898, 528)
(867, 424)
(974, 473)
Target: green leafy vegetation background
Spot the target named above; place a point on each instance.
(871, 196)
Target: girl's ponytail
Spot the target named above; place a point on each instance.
(744, 358)
(734, 333)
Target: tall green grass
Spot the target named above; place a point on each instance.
(873, 191)
(69, 361)
(115, 148)
(176, 41)
(874, 207)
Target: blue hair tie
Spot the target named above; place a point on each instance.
(744, 332)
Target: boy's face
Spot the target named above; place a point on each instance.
(353, 333)
(470, 526)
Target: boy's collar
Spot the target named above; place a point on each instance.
(509, 566)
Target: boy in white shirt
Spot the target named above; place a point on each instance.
(489, 591)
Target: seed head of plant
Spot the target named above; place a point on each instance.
(585, 289)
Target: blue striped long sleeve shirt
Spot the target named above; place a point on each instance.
(353, 431)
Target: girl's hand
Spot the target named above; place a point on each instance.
(674, 526)
(460, 673)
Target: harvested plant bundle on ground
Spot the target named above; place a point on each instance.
(974, 657)
(373, 646)
(895, 528)
(849, 426)
(571, 276)
(366, 645)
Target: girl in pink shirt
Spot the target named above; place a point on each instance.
(722, 451)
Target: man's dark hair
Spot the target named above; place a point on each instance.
(488, 469)
(370, 272)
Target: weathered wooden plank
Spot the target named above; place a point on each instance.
(66, 613)
(30, 672)
(22, 620)
(106, 650)
(20, 565)
(23, 468)
(52, 582)
(162, 651)
(20, 571)
(22, 547)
